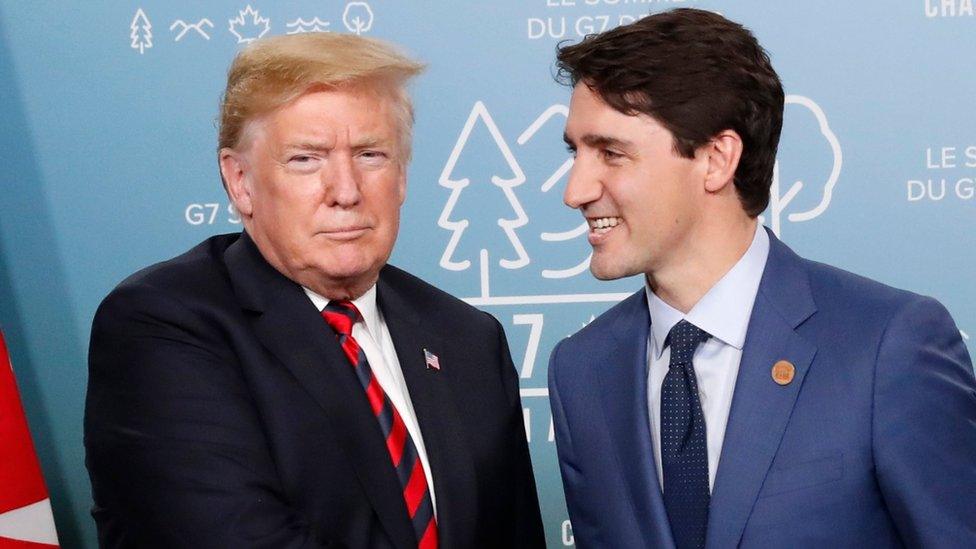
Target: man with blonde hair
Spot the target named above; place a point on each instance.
(284, 387)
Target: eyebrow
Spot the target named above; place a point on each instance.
(319, 146)
(599, 141)
(307, 146)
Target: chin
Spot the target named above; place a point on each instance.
(612, 270)
(603, 273)
(352, 275)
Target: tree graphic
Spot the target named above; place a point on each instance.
(832, 160)
(358, 17)
(481, 118)
(141, 34)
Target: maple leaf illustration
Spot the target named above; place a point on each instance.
(249, 30)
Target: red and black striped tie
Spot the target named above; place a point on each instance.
(341, 315)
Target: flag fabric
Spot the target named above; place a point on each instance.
(26, 521)
(432, 361)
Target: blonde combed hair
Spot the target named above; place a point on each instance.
(272, 72)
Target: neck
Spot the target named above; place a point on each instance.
(339, 290)
(708, 253)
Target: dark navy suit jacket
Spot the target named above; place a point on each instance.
(873, 443)
(221, 412)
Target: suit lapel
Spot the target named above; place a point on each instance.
(761, 408)
(448, 452)
(288, 325)
(624, 395)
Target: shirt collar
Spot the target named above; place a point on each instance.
(723, 311)
(366, 304)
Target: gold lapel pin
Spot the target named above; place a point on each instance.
(783, 372)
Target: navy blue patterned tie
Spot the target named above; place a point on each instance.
(684, 452)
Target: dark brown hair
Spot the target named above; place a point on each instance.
(697, 73)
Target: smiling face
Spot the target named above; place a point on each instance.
(641, 199)
(319, 187)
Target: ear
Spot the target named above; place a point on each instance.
(723, 153)
(234, 168)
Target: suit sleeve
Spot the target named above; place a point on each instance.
(174, 445)
(528, 519)
(571, 475)
(924, 428)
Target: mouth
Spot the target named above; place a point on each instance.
(345, 233)
(601, 227)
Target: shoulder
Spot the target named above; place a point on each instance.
(198, 266)
(838, 291)
(895, 324)
(196, 278)
(439, 309)
(596, 338)
(836, 298)
(633, 307)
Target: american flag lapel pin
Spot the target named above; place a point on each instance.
(433, 363)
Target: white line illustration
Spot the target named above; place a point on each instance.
(541, 121)
(186, 27)
(534, 127)
(562, 170)
(487, 301)
(964, 334)
(778, 202)
(358, 17)
(483, 261)
(141, 34)
(249, 31)
(300, 25)
(582, 229)
(480, 112)
(570, 271)
(550, 182)
(535, 322)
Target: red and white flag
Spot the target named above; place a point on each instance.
(26, 521)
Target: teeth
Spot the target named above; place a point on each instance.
(604, 222)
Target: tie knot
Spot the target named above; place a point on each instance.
(340, 316)
(684, 338)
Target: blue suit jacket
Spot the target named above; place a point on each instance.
(873, 444)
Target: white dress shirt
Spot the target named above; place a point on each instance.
(374, 339)
(724, 313)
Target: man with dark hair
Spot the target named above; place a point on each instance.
(284, 386)
(745, 396)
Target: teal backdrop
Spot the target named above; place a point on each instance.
(107, 164)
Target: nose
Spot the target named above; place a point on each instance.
(583, 186)
(342, 182)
